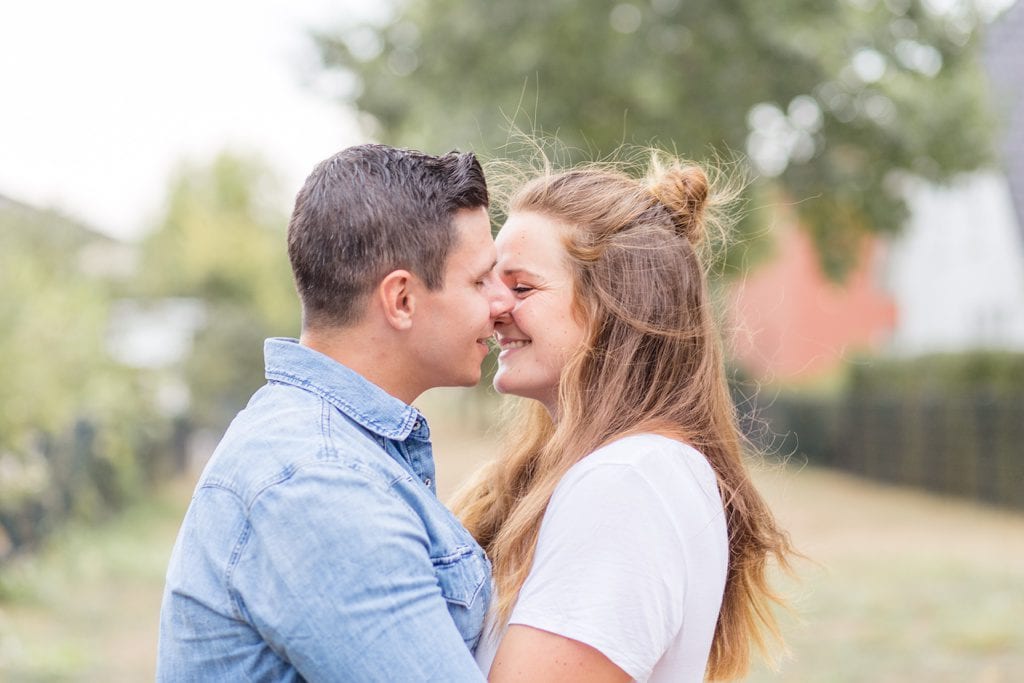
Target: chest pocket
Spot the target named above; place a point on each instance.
(465, 579)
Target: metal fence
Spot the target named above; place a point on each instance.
(968, 445)
(76, 476)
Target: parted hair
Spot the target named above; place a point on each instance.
(652, 362)
(372, 209)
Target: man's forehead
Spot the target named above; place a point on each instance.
(474, 249)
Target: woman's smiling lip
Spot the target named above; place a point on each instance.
(507, 343)
(511, 345)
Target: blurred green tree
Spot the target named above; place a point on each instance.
(831, 101)
(222, 242)
(53, 318)
(68, 410)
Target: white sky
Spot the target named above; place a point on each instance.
(100, 99)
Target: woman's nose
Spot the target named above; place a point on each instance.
(502, 300)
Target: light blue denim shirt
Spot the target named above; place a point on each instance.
(315, 547)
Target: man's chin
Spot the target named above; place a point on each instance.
(467, 380)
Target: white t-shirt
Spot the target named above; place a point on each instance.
(631, 559)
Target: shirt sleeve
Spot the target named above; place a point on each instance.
(343, 593)
(609, 569)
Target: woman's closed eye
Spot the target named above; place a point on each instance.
(522, 289)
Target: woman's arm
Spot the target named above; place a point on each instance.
(530, 654)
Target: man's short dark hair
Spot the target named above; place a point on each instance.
(372, 209)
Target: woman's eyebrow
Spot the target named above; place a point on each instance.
(518, 271)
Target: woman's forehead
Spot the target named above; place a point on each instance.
(530, 242)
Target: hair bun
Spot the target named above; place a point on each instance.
(683, 190)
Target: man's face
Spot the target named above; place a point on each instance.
(452, 325)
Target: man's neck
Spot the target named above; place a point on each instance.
(370, 352)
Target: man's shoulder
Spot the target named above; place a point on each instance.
(284, 430)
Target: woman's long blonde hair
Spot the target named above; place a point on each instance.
(652, 363)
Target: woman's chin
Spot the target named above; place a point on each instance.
(502, 387)
(509, 387)
(506, 385)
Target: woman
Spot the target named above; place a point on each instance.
(627, 539)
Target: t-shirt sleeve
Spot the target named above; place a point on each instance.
(609, 568)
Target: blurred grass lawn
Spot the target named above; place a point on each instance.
(904, 586)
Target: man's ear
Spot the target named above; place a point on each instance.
(397, 298)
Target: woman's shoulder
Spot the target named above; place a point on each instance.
(634, 448)
(663, 464)
(648, 453)
(638, 490)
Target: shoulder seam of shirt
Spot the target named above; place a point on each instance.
(325, 429)
(237, 604)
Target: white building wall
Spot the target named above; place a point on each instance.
(957, 272)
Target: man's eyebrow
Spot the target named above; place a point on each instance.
(488, 269)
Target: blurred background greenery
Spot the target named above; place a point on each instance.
(123, 361)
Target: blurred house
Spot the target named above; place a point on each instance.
(1004, 58)
(957, 272)
(791, 322)
(953, 281)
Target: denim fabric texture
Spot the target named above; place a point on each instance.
(315, 548)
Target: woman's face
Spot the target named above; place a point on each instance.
(540, 333)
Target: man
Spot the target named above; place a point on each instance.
(315, 547)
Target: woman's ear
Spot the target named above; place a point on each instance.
(397, 298)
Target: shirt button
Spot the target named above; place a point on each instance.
(417, 424)
(427, 481)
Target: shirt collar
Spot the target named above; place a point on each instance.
(290, 362)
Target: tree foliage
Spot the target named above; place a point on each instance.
(832, 101)
(53, 315)
(220, 242)
(72, 419)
